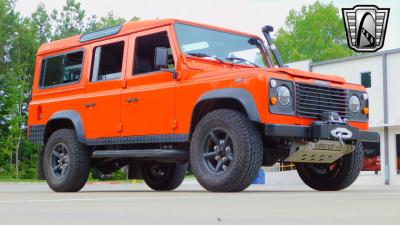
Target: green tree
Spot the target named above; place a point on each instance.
(315, 32)
(70, 21)
(108, 21)
(18, 45)
(40, 21)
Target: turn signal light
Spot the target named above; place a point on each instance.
(365, 111)
(273, 100)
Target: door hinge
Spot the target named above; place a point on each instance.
(174, 124)
(119, 127)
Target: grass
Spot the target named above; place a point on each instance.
(7, 179)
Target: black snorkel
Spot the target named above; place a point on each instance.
(258, 43)
(266, 31)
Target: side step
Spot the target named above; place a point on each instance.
(143, 153)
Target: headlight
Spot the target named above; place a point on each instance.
(284, 95)
(355, 104)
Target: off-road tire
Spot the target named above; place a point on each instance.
(247, 151)
(78, 170)
(344, 173)
(173, 175)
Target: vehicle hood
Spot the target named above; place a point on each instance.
(305, 74)
(259, 71)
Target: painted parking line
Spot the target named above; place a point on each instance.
(183, 197)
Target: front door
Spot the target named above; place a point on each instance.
(103, 99)
(148, 101)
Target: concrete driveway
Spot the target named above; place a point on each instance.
(113, 204)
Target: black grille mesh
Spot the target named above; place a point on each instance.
(312, 100)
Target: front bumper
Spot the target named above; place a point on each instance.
(319, 131)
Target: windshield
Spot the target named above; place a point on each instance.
(233, 48)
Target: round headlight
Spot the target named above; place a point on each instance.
(284, 95)
(355, 104)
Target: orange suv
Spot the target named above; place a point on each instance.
(156, 95)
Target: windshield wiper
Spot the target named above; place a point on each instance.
(232, 59)
(202, 55)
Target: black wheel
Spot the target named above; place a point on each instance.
(66, 162)
(335, 176)
(225, 151)
(163, 176)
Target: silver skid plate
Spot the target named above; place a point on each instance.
(323, 151)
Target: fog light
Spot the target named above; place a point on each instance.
(273, 100)
(365, 111)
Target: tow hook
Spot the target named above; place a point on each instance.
(341, 133)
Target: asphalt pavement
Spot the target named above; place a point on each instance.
(133, 203)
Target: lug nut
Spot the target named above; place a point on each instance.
(224, 159)
(228, 149)
(224, 167)
(217, 158)
(221, 142)
(215, 148)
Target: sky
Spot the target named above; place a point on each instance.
(243, 15)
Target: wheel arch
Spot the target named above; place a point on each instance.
(226, 98)
(65, 119)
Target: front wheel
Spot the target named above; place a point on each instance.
(163, 176)
(225, 151)
(333, 177)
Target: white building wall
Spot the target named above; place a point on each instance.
(301, 65)
(393, 72)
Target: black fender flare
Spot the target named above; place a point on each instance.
(76, 120)
(239, 94)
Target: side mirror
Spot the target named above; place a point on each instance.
(161, 57)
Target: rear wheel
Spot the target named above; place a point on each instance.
(163, 176)
(335, 176)
(226, 151)
(66, 162)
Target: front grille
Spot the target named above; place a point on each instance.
(313, 100)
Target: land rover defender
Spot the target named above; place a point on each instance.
(157, 95)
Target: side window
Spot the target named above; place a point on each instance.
(144, 52)
(61, 69)
(107, 61)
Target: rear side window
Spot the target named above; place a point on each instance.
(61, 69)
(107, 61)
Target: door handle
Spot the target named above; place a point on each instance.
(132, 100)
(90, 105)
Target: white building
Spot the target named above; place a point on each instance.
(384, 97)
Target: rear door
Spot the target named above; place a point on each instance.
(106, 77)
(148, 101)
